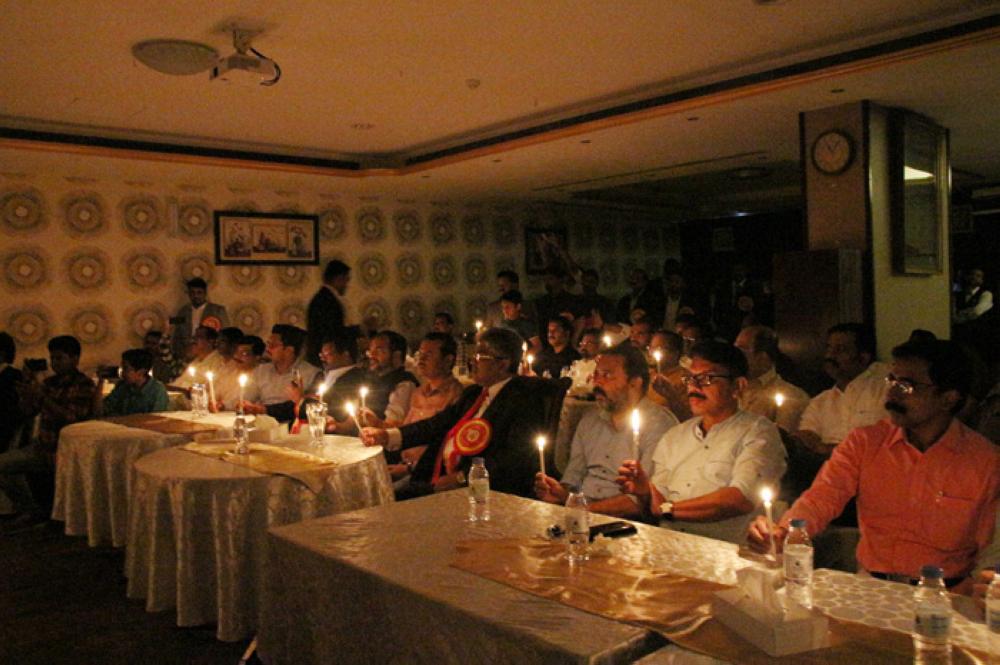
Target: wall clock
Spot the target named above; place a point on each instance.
(832, 152)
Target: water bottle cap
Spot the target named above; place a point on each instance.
(479, 460)
(799, 524)
(931, 572)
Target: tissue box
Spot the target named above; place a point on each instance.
(800, 630)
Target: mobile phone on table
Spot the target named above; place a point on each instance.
(613, 530)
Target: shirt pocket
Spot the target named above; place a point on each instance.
(950, 524)
(717, 473)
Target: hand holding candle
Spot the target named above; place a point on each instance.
(540, 442)
(363, 393)
(320, 391)
(607, 340)
(353, 413)
(658, 357)
(767, 496)
(635, 434)
(191, 371)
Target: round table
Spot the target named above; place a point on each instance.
(197, 526)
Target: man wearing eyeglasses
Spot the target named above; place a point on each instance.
(497, 419)
(926, 485)
(707, 472)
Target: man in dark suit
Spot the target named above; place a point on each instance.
(644, 295)
(326, 315)
(198, 312)
(10, 377)
(498, 419)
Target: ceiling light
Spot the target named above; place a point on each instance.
(910, 174)
(749, 173)
(497, 161)
(693, 118)
(837, 91)
(175, 56)
(362, 126)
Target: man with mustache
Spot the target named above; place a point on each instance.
(604, 438)
(926, 485)
(707, 472)
(858, 396)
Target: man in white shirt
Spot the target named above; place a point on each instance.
(269, 388)
(766, 393)
(707, 472)
(973, 301)
(202, 358)
(858, 397)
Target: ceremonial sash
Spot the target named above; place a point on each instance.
(469, 436)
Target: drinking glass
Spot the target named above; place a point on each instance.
(316, 413)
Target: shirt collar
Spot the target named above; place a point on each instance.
(491, 392)
(951, 439)
(333, 374)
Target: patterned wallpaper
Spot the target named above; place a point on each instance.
(106, 260)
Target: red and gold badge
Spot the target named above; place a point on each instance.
(472, 437)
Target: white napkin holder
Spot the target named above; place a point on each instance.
(765, 618)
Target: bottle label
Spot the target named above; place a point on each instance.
(576, 522)
(798, 560)
(932, 623)
(480, 489)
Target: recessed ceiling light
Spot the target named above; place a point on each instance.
(837, 91)
(175, 56)
(692, 118)
(749, 173)
(362, 126)
(585, 141)
(497, 160)
(425, 176)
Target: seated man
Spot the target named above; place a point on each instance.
(559, 354)
(202, 357)
(760, 346)
(858, 396)
(137, 391)
(247, 354)
(707, 472)
(926, 485)
(268, 390)
(497, 419)
(511, 305)
(604, 438)
(641, 333)
(392, 384)
(163, 366)
(582, 370)
(666, 386)
(65, 397)
(342, 376)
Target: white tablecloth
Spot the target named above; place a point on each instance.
(94, 473)
(197, 527)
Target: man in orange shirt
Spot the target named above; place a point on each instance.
(926, 485)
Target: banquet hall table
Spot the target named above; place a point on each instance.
(573, 411)
(351, 580)
(197, 526)
(94, 467)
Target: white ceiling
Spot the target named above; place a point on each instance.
(403, 67)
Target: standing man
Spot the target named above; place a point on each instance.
(973, 301)
(644, 295)
(507, 280)
(198, 312)
(138, 391)
(604, 438)
(327, 312)
(592, 300)
(707, 472)
(512, 306)
(760, 346)
(926, 485)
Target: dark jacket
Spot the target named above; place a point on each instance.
(324, 317)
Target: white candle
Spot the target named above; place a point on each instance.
(191, 371)
(211, 386)
(479, 326)
(607, 340)
(540, 442)
(243, 384)
(767, 495)
(321, 390)
(635, 434)
(779, 399)
(531, 360)
(658, 357)
(352, 412)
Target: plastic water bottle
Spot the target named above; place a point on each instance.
(993, 610)
(242, 435)
(479, 491)
(798, 560)
(932, 618)
(577, 526)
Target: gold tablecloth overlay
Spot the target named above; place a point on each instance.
(310, 470)
(677, 607)
(162, 424)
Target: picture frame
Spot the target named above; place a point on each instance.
(544, 249)
(266, 238)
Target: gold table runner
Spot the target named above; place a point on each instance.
(162, 424)
(675, 606)
(263, 458)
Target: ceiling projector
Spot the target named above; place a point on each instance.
(246, 69)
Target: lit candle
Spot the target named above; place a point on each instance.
(658, 357)
(540, 442)
(479, 326)
(352, 412)
(210, 375)
(607, 340)
(243, 384)
(635, 434)
(524, 347)
(321, 390)
(363, 392)
(767, 495)
(531, 360)
(191, 371)
(779, 399)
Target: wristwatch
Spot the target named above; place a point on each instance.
(667, 510)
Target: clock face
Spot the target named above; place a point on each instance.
(832, 152)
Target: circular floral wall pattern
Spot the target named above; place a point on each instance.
(475, 308)
(25, 268)
(144, 317)
(476, 271)
(29, 326)
(372, 270)
(409, 269)
(443, 271)
(245, 277)
(504, 262)
(371, 224)
(448, 305)
(83, 214)
(442, 228)
(194, 219)
(292, 312)
(473, 230)
(141, 215)
(91, 324)
(22, 210)
(378, 310)
(412, 315)
(249, 317)
(196, 265)
(407, 225)
(332, 223)
(291, 276)
(144, 268)
(87, 268)
(504, 230)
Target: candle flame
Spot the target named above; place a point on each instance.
(243, 380)
(209, 375)
(321, 389)
(779, 399)
(540, 442)
(657, 355)
(191, 371)
(607, 340)
(350, 408)
(363, 391)
(531, 359)
(635, 420)
(766, 495)
(524, 347)
(479, 324)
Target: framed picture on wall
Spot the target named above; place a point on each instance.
(266, 238)
(544, 249)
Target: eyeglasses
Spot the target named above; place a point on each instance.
(479, 357)
(702, 380)
(905, 386)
